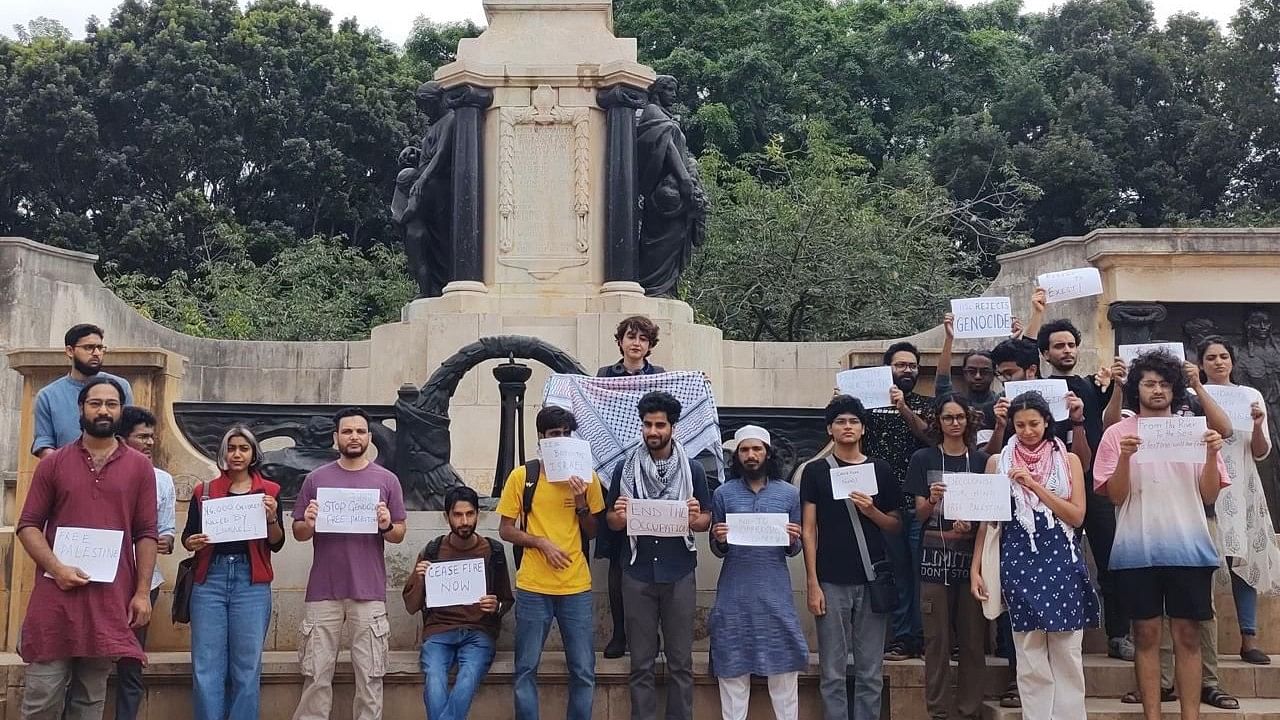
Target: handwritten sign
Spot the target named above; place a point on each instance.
(95, 552)
(1070, 284)
(566, 457)
(239, 517)
(976, 496)
(870, 385)
(1128, 353)
(657, 518)
(854, 478)
(1171, 439)
(1054, 391)
(983, 317)
(758, 529)
(456, 582)
(347, 510)
(1236, 402)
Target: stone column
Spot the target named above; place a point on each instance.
(1135, 322)
(622, 253)
(468, 103)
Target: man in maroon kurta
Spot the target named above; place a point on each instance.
(75, 629)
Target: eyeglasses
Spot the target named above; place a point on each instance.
(954, 419)
(99, 404)
(91, 349)
(905, 366)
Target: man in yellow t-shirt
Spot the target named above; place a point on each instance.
(554, 579)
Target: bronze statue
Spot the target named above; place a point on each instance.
(1257, 364)
(423, 202)
(674, 211)
(290, 466)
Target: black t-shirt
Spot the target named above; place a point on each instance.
(1095, 401)
(890, 439)
(839, 562)
(927, 467)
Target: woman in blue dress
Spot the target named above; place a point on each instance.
(1042, 574)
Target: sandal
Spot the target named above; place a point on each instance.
(1133, 697)
(1011, 698)
(1218, 698)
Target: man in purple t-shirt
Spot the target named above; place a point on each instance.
(348, 581)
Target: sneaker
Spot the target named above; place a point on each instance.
(1120, 648)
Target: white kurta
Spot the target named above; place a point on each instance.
(1244, 522)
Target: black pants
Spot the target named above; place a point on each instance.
(1100, 528)
(129, 687)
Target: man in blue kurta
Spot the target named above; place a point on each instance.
(754, 626)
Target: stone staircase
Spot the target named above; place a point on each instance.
(169, 689)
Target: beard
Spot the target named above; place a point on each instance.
(86, 369)
(905, 383)
(464, 531)
(348, 452)
(98, 427)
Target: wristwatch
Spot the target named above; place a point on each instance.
(387, 529)
(582, 511)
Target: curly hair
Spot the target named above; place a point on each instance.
(1055, 326)
(971, 419)
(845, 405)
(658, 401)
(898, 347)
(1020, 351)
(1034, 401)
(642, 326)
(1161, 362)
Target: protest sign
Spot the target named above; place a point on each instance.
(1171, 439)
(95, 552)
(854, 478)
(758, 529)
(1127, 353)
(1236, 402)
(657, 518)
(456, 582)
(238, 517)
(983, 437)
(566, 457)
(347, 510)
(1070, 284)
(976, 496)
(982, 317)
(870, 385)
(1054, 391)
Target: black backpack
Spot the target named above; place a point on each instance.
(533, 471)
(497, 559)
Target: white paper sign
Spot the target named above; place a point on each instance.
(1127, 353)
(1070, 284)
(854, 478)
(239, 517)
(1236, 402)
(984, 437)
(870, 385)
(976, 496)
(758, 529)
(1054, 391)
(982, 317)
(456, 582)
(566, 457)
(347, 510)
(657, 518)
(1171, 439)
(95, 552)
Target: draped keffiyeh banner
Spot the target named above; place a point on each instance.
(606, 412)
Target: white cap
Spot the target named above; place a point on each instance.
(749, 432)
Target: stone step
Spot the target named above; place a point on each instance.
(1111, 709)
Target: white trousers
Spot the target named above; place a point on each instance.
(1050, 674)
(735, 695)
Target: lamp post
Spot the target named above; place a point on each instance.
(511, 377)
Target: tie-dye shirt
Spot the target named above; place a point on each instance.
(1162, 522)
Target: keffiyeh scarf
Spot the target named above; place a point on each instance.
(643, 478)
(1048, 466)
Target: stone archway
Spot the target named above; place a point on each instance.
(422, 414)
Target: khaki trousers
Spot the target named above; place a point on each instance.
(78, 685)
(941, 604)
(318, 655)
(1050, 674)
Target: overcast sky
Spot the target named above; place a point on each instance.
(395, 17)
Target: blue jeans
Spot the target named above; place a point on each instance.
(574, 614)
(904, 550)
(229, 619)
(1246, 605)
(473, 651)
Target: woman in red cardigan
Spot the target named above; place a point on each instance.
(231, 599)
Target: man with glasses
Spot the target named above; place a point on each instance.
(893, 434)
(57, 411)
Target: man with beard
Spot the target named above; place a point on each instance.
(1164, 556)
(57, 412)
(138, 429)
(75, 629)
(754, 626)
(1059, 342)
(893, 434)
(348, 581)
(658, 578)
(465, 635)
